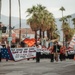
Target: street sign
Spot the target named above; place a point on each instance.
(9, 38)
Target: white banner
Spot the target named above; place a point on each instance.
(45, 51)
(23, 53)
(31, 52)
(72, 43)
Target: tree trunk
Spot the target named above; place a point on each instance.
(43, 34)
(66, 40)
(40, 34)
(63, 38)
(51, 36)
(63, 32)
(48, 34)
(35, 37)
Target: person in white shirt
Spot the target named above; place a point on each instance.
(0, 51)
(38, 53)
(40, 47)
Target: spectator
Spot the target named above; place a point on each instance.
(62, 53)
(55, 52)
(0, 51)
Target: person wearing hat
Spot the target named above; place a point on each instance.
(56, 50)
(62, 52)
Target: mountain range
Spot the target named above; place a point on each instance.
(15, 22)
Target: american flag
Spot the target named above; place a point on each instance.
(72, 43)
(6, 54)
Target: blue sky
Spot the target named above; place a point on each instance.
(52, 5)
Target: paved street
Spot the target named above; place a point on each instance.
(45, 67)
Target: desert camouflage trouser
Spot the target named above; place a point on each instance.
(56, 56)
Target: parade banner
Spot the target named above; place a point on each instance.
(45, 51)
(23, 53)
(72, 43)
(6, 54)
(31, 53)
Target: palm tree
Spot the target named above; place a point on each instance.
(9, 18)
(69, 16)
(45, 20)
(70, 34)
(63, 19)
(37, 18)
(41, 13)
(73, 22)
(40, 18)
(52, 30)
(66, 30)
(19, 21)
(62, 9)
(55, 35)
(32, 20)
(34, 26)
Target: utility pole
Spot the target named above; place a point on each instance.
(0, 22)
(19, 21)
(0, 10)
(10, 38)
(9, 18)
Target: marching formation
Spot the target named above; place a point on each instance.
(56, 52)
